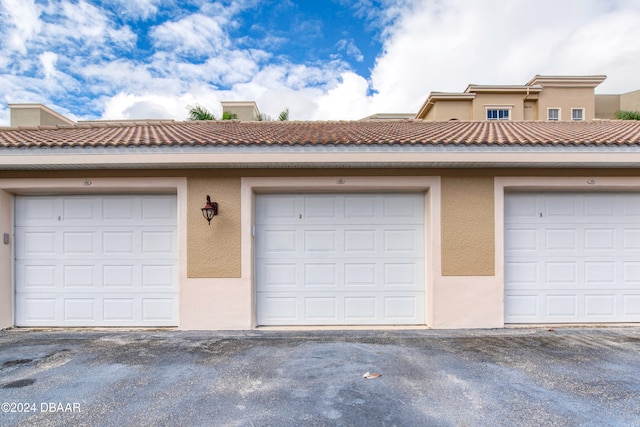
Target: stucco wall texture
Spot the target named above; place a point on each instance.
(213, 251)
(468, 244)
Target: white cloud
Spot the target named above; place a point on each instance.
(131, 106)
(443, 46)
(23, 17)
(346, 101)
(195, 34)
(137, 9)
(85, 51)
(351, 49)
(48, 61)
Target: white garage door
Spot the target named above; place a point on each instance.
(96, 261)
(340, 259)
(572, 257)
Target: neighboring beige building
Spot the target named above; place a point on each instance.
(36, 115)
(243, 110)
(545, 98)
(607, 105)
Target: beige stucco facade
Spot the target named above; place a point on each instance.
(531, 101)
(565, 99)
(464, 221)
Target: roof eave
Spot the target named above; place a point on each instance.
(398, 160)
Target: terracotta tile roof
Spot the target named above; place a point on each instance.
(127, 134)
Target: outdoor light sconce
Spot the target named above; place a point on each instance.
(210, 210)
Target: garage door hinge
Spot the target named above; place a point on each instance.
(253, 230)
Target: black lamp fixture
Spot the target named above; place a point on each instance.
(210, 210)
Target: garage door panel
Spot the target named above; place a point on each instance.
(40, 310)
(340, 259)
(631, 273)
(575, 261)
(600, 305)
(320, 241)
(522, 307)
(277, 209)
(631, 305)
(561, 273)
(344, 309)
(631, 239)
(522, 273)
(88, 243)
(98, 262)
(521, 208)
(597, 206)
(321, 208)
(339, 274)
(561, 307)
(38, 211)
(600, 239)
(631, 206)
(79, 276)
(320, 276)
(522, 240)
(361, 275)
(364, 209)
(80, 209)
(364, 241)
(359, 309)
(561, 240)
(559, 206)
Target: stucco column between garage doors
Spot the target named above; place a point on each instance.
(213, 251)
(468, 243)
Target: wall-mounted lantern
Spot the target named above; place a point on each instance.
(210, 210)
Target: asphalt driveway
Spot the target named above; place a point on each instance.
(512, 377)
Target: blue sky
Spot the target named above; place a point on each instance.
(324, 60)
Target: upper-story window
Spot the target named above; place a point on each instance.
(577, 114)
(553, 114)
(498, 114)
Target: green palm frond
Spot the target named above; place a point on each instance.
(198, 112)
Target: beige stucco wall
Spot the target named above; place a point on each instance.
(630, 101)
(449, 110)
(6, 287)
(566, 99)
(606, 106)
(467, 226)
(213, 250)
(34, 116)
(531, 110)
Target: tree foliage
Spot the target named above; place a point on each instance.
(198, 112)
(284, 115)
(226, 115)
(627, 115)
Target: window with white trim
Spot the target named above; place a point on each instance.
(553, 114)
(577, 114)
(498, 114)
